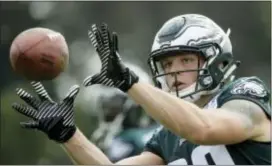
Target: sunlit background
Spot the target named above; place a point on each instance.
(136, 23)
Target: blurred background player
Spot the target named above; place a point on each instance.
(123, 127)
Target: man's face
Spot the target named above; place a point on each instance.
(181, 62)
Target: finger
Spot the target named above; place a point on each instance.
(103, 54)
(105, 34)
(117, 57)
(98, 37)
(93, 40)
(42, 93)
(99, 44)
(115, 42)
(25, 110)
(71, 95)
(28, 98)
(30, 124)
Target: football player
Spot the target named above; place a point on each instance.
(124, 128)
(207, 117)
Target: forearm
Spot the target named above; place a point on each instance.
(83, 152)
(179, 116)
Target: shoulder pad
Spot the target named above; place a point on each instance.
(247, 88)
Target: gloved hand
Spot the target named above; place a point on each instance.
(54, 119)
(113, 72)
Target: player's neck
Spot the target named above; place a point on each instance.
(203, 100)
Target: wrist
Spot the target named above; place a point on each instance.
(132, 79)
(73, 139)
(67, 134)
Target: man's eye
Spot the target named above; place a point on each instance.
(167, 64)
(187, 60)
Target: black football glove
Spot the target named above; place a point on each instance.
(113, 72)
(54, 119)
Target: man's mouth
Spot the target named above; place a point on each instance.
(177, 85)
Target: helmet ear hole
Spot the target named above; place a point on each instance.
(205, 80)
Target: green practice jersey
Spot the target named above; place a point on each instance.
(175, 150)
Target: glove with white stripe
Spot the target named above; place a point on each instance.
(113, 72)
(54, 119)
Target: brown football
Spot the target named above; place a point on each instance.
(39, 54)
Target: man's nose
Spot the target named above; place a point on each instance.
(176, 67)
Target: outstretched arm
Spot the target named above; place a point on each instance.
(83, 152)
(230, 124)
(56, 120)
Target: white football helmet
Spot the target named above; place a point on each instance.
(199, 34)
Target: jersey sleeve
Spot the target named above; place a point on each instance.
(155, 142)
(248, 88)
